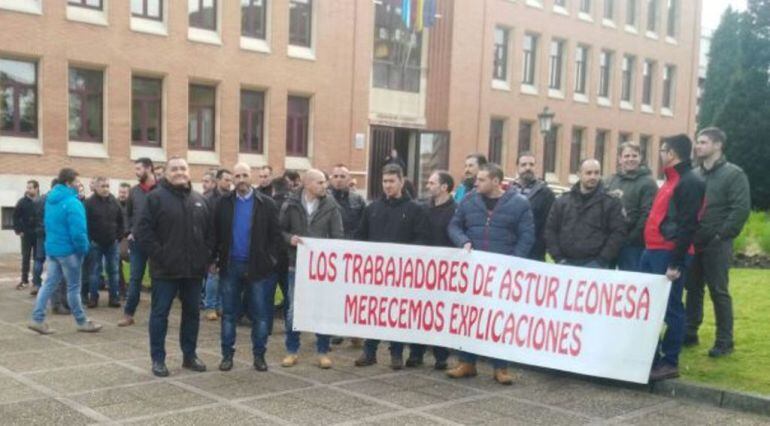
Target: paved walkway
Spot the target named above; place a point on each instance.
(75, 378)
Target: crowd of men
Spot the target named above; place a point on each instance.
(227, 250)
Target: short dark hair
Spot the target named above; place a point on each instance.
(292, 175)
(680, 144)
(716, 134)
(480, 158)
(279, 184)
(525, 154)
(67, 176)
(34, 183)
(393, 169)
(146, 162)
(221, 172)
(495, 171)
(54, 182)
(445, 178)
(125, 185)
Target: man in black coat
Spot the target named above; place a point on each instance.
(395, 218)
(24, 223)
(175, 232)
(540, 198)
(105, 230)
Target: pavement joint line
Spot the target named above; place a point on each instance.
(391, 415)
(34, 398)
(145, 417)
(641, 412)
(68, 367)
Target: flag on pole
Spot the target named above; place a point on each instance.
(418, 17)
(406, 12)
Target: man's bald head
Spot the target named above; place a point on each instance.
(242, 178)
(314, 182)
(590, 174)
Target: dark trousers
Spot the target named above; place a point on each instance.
(439, 353)
(163, 294)
(39, 262)
(233, 283)
(629, 257)
(138, 262)
(711, 267)
(28, 251)
(656, 262)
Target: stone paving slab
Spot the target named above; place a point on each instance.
(72, 378)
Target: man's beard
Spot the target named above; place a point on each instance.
(143, 178)
(527, 177)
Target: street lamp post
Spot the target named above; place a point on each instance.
(545, 119)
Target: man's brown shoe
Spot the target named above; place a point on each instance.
(463, 369)
(502, 376)
(126, 321)
(211, 315)
(324, 362)
(290, 360)
(664, 372)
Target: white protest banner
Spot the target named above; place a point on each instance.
(588, 321)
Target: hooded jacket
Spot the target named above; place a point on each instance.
(66, 232)
(637, 190)
(325, 222)
(105, 219)
(727, 204)
(394, 220)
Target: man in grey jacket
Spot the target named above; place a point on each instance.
(308, 213)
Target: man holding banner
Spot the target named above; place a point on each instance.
(495, 221)
(395, 218)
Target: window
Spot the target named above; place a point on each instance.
(7, 216)
(600, 148)
(672, 18)
(201, 117)
(297, 125)
(146, 111)
(86, 105)
(627, 85)
(397, 51)
(605, 73)
(560, 3)
(581, 69)
(254, 18)
(500, 66)
(148, 9)
(530, 59)
(202, 14)
(496, 142)
(90, 4)
(18, 98)
(631, 13)
(525, 136)
(555, 64)
(609, 10)
(624, 137)
(644, 145)
(585, 6)
(300, 19)
(669, 73)
(252, 121)
(652, 16)
(550, 150)
(576, 149)
(647, 81)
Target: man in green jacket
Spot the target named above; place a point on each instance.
(636, 188)
(727, 207)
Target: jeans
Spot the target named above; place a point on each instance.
(138, 260)
(471, 359)
(628, 259)
(28, 252)
(111, 256)
(370, 348)
(711, 267)
(69, 268)
(322, 341)
(213, 292)
(39, 262)
(163, 294)
(259, 293)
(656, 262)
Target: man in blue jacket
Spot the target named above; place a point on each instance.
(496, 221)
(66, 244)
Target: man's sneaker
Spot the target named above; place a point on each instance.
(324, 362)
(194, 364)
(259, 363)
(89, 327)
(396, 362)
(719, 351)
(289, 360)
(690, 340)
(126, 321)
(40, 327)
(226, 364)
(413, 361)
(61, 310)
(365, 360)
(502, 376)
(664, 372)
(211, 315)
(159, 369)
(35, 289)
(21, 285)
(463, 369)
(440, 365)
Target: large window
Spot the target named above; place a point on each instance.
(500, 66)
(525, 136)
(609, 10)
(644, 145)
(300, 22)
(560, 3)
(90, 4)
(202, 14)
(86, 105)
(576, 149)
(530, 59)
(254, 18)
(18, 98)
(496, 140)
(297, 126)
(556, 65)
(672, 18)
(669, 74)
(631, 7)
(397, 51)
(605, 73)
(652, 16)
(581, 69)
(147, 9)
(600, 148)
(146, 111)
(585, 6)
(627, 85)
(647, 82)
(551, 149)
(252, 121)
(201, 117)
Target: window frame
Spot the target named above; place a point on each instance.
(294, 120)
(556, 64)
(672, 18)
(84, 95)
(84, 5)
(401, 76)
(609, 6)
(145, 14)
(648, 82)
(145, 101)
(246, 32)
(605, 74)
(575, 155)
(669, 77)
(16, 96)
(529, 61)
(496, 149)
(653, 15)
(244, 144)
(627, 78)
(581, 69)
(632, 12)
(529, 125)
(198, 23)
(293, 36)
(603, 136)
(551, 146)
(198, 108)
(500, 56)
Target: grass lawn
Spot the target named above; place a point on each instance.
(748, 368)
